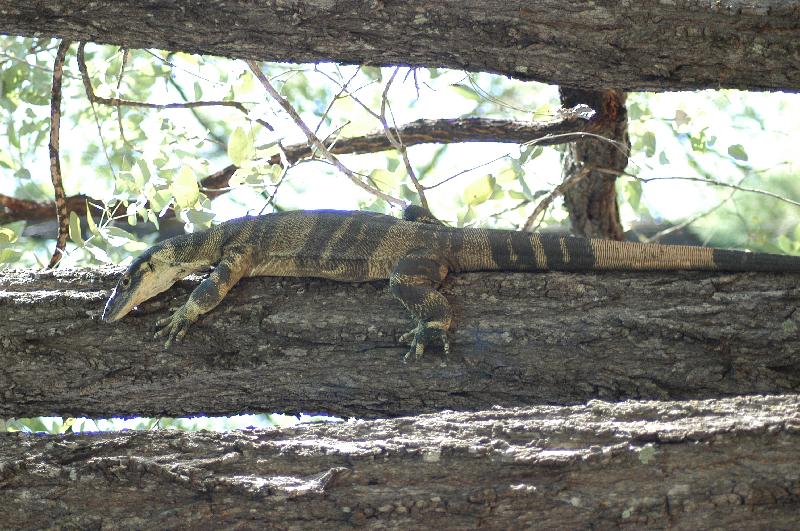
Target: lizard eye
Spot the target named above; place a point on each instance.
(126, 281)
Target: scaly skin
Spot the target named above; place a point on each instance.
(415, 254)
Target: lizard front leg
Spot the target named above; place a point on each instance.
(414, 281)
(204, 298)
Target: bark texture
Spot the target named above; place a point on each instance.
(716, 464)
(287, 345)
(643, 45)
(592, 200)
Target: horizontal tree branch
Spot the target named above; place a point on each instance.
(296, 344)
(644, 45)
(722, 464)
(441, 131)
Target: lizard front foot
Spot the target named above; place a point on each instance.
(419, 336)
(174, 327)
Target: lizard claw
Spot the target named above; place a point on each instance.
(418, 336)
(173, 327)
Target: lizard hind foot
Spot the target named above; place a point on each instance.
(420, 336)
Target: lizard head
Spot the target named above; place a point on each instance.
(146, 277)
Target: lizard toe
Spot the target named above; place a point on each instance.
(174, 328)
(420, 336)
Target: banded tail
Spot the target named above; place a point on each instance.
(520, 251)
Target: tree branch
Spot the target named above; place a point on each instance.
(314, 141)
(729, 464)
(646, 45)
(117, 102)
(295, 344)
(55, 163)
(415, 133)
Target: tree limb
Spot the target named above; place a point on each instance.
(727, 464)
(644, 45)
(414, 133)
(296, 344)
(62, 215)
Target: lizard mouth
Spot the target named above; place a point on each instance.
(115, 309)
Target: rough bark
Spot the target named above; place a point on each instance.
(313, 345)
(643, 45)
(592, 200)
(726, 464)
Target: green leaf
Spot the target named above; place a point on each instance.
(159, 199)
(90, 220)
(7, 236)
(75, 228)
(131, 213)
(699, 142)
(633, 192)
(99, 254)
(480, 190)
(11, 232)
(386, 180)
(392, 162)
(681, 118)
(635, 111)
(662, 158)
(372, 72)
(240, 146)
(649, 143)
(201, 219)
(8, 256)
(11, 134)
(184, 188)
(737, 151)
(530, 152)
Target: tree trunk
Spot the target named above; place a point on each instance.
(643, 45)
(715, 464)
(295, 344)
(592, 200)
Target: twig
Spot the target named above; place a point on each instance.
(342, 90)
(462, 172)
(397, 141)
(685, 223)
(94, 98)
(55, 164)
(313, 140)
(392, 133)
(557, 191)
(440, 131)
(705, 181)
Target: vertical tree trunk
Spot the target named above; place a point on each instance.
(592, 201)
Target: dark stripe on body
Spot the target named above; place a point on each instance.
(567, 254)
(521, 244)
(498, 245)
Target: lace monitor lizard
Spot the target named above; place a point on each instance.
(414, 253)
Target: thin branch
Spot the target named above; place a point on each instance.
(313, 140)
(94, 98)
(467, 170)
(556, 192)
(688, 221)
(397, 140)
(55, 162)
(705, 181)
(343, 89)
(440, 131)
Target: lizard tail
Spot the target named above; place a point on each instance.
(520, 251)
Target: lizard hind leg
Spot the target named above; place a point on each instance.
(414, 282)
